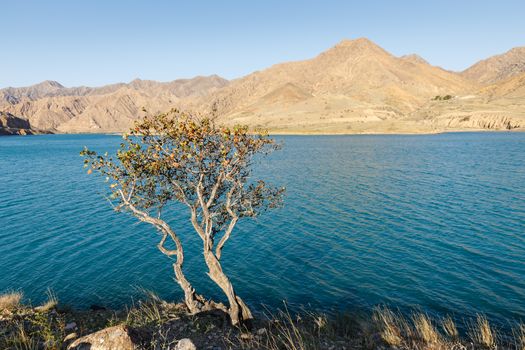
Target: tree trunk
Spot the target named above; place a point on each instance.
(238, 310)
(193, 301)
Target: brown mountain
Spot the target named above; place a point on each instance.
(355, 86)
(110, 108)
(497, 68)
(511, 88)
(499, 106)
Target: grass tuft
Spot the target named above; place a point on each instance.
(482, 334)
(10, 301)
(519, 337)
(449, 328)
(50, 304)
(425, 330)
(389, 327)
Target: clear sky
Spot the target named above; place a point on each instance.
(96, 42)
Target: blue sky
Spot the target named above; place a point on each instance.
(96, 42)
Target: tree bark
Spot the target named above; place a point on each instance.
(193, 301)
(238, 310)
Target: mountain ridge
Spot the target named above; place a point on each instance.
(355, 86)
(109, 108)
(497, 68)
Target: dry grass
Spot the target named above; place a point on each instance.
(388, 325)
(306, 330)
(152, 313)
(146, 312)
(287, 332)
(482, 334)
(449, 328)
(425, 330)
(37, 330)
(418, 332)
(10, 301)
(519, 337)
(21, 340)
(50, 304)
(161, 324)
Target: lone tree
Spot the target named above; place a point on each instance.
(173, 157)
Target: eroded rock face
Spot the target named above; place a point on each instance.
(11, 125)
(112, 338)
(479, 121)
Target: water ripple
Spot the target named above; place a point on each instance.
(436, 221)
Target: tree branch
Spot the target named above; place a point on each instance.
(195, 223)
(163, 249)
(227, 233)
(218, 183)
(161, 225)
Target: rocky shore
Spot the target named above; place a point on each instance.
(155, 324)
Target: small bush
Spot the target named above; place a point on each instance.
(442, 98)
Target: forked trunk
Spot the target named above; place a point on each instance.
(238, 310)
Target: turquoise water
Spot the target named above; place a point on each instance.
(436, 221)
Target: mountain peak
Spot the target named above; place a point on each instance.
(50, 83)
(347, 49)
(414, 58)
(359, 42)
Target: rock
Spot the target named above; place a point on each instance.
(112, 338)
(184, 344)
(69, 337)
(12, 125)
(70, 326)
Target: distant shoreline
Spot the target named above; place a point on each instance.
(315, 133)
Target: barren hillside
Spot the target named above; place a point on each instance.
(353, 87)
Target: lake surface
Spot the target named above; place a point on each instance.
(436, 221)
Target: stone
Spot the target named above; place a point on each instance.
(70, 337)
(185, 344)
(70, 326)
(112, 338)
